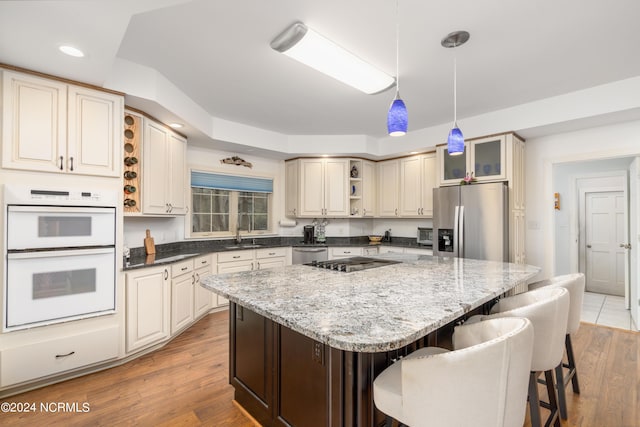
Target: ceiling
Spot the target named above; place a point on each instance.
(217, 54)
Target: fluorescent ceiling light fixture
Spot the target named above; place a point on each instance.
(311, 48)
(71, 51)
(175, 125)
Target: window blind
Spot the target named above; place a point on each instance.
(231, 182)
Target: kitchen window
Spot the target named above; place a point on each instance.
(223, 203)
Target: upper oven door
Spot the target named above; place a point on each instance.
(39, 227)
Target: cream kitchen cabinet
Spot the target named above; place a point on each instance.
(292, 188)
(418, 251)
(388, 185)
(323, 188)
(50, 126)
(390, 250)
(65, 352)
(347, 252)
(417, 180)
(270, 257)
(148, 307)
(182, 291)
(164, 182)
(485, 158)
(202, 297)
(231, 262)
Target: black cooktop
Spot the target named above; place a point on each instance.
(348, 265)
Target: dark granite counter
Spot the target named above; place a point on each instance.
(178, 251)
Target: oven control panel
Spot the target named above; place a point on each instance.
(24, 195)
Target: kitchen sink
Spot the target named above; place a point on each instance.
(250, 246)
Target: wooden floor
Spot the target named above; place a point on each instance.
(185, 384)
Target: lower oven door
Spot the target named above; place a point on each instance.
(54, 286)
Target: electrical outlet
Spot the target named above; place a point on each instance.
(317, 352)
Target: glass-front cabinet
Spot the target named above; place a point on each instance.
(483, 158)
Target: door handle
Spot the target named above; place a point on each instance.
(589, 246)
(625, 245)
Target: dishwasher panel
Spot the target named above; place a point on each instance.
(306, 255)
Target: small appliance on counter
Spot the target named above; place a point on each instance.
(425, 236)
(309, 234)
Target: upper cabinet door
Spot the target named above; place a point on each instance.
(336, 196)
(34, 123)
(428, 184)
(177, 185)
(95, 132)
(154, 167)
(312, 187)
(452, 169)
(388, 188)
(291, 189)
(411, 186)
(488, 158)
(484, 158)
(49, 126)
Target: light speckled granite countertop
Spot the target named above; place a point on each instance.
(372, 310)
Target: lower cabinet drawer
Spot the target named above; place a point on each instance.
(32, 361)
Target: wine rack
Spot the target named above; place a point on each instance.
(131, 177)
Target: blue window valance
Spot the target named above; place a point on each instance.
(231, 182)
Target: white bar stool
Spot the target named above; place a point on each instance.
(483, 382)
(575, 284)
(546, 309)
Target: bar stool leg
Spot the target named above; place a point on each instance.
(554, 417)
(573, 373)
(534, 400)
(562, 398)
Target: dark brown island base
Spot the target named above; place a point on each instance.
(306, 343)
(283, 378)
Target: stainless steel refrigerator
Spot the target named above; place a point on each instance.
(472, 221)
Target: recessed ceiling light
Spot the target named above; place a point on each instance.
(413, 152)
(71, 51)
(176, 125)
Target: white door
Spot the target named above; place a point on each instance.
(605, 238)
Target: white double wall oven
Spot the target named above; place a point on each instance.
(60, 258)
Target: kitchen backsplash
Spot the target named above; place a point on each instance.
(170, 230)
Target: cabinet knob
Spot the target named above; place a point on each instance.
(589, 246)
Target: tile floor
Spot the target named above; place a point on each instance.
(606, 310)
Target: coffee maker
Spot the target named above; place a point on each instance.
(309, 234)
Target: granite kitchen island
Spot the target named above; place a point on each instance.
(306, 343)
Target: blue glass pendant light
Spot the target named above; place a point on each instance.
(397, 118)
(455, 141)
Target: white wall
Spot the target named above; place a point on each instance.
(605, 142)
(564, 180)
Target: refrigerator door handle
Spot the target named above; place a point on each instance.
(460, 225)
(456, 218)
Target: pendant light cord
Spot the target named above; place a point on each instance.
(397, 51)
(455, 92)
